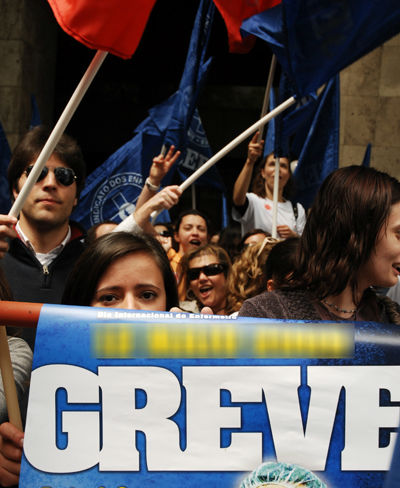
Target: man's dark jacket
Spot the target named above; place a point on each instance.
(32, 282)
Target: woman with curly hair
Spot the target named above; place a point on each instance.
(248, 277)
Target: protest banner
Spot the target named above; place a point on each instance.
(130, 398)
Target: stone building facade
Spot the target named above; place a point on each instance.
(28, 37)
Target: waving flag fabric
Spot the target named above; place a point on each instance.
(234, 12)
(115, 26)
(113, 188)
(367, 155)
(320, 153)
(315, 39)
(287, 132)
(35, 116)
(5, 156)
(307, 131)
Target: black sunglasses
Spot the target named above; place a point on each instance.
(64, 176)
(165, 233)
(209, 270)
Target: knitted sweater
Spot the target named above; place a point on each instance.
(299, 305)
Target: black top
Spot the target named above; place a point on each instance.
(32, 282)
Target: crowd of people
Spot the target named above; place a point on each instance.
(329, 265)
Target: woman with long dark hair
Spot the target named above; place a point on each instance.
(122, 270)
(351, 243)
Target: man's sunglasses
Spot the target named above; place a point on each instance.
(64, 176)
(209, 270)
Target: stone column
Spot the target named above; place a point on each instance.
(370, 109)
(28, 35)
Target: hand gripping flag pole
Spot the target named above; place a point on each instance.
(58, 130)
(5, 360)
(240, 138)
(229, 147)
(18, 314)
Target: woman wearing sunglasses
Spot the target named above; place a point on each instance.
(205, 272)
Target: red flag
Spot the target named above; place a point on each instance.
(115, 26)
(234, 12)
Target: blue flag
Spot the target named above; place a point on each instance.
(320, 152)
(367, 156)
(35, 117)
(5, 156)
(287, 132)
(307, 131)
(112, 189)
(315, 39)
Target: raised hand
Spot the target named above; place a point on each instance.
(6, 232)
(254, 149)
(162, 164)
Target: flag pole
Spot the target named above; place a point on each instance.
(225, 150)
(58, 130)
(193, 196)
(7, 375)
(240, 138)
(5, 361)
(267, 93)
(18, 314)
(275, 199)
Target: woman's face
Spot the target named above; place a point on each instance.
(210, 291)
(134, 281)
(383, 266)
(192, 233)
(268, 172)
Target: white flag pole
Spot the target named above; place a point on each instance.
(240, 138)
(225, 150)
(7, 375)
(58, 130)
(275, 199)
(193, 196)
(267, 93)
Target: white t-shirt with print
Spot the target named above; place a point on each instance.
(258, 215)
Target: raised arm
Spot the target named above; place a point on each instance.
(163, 200)
(140, 219)
(160, 167)
(242, 182)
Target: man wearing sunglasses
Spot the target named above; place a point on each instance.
(45, 244)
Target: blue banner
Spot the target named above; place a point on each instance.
(163, 399)
(113, 188)
(315, 39)
(5, 156)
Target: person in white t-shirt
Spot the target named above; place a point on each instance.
(254, 209)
